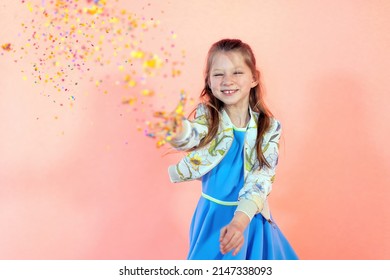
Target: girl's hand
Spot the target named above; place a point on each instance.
(232, 235)
(169, 125)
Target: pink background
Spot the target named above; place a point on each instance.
(83, 183)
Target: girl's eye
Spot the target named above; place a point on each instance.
(238, 73)
(217, 75)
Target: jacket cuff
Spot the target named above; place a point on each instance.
(248, 207)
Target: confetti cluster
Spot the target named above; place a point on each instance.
(67, 36)
(164, 129)
(66, 41)
(6, 47)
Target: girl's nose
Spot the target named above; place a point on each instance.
(227, 80)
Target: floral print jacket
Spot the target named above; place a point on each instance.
(257, 182)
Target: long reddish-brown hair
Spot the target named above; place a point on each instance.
(256, 101)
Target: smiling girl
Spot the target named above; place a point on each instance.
(232, 145)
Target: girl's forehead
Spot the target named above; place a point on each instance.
(227, 59)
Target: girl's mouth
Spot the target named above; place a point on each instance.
(229, 91)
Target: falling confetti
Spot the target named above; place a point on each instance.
(6, 47)
(66, 41)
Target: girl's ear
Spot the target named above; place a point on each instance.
(256, 79)
(255, 82)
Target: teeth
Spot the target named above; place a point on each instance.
(228, 91)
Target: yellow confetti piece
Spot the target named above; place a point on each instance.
(129, 81)
(160, 143)
(29, 7)
(129, 101)
(147, 92)
(155, 62)
(114, 20)
(150, 63)
(94, 10)
(137, 54)
(175, 72)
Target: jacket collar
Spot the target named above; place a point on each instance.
(252, 121)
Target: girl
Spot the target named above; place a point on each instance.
(233, 149)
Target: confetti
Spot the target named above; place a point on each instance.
(147, 92)
(6, 47)
(67, 43)
(130, 101)
(67, 38)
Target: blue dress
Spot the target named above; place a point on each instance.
(215, 209)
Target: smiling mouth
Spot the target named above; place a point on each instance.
(229, 92)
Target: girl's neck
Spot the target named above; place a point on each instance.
(239, 118)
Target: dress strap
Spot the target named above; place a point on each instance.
(226, 203)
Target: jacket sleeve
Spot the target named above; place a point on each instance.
(258, 183)
(192, 131)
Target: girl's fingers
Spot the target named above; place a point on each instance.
(238, 248)
(222, 234)
(239, 245)
(235, 242)
(227, 237)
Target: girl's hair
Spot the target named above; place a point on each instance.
(256, 101)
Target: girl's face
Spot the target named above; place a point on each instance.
(231, 79)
